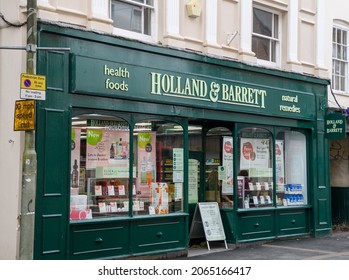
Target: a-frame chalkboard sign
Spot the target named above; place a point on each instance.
(207, 222)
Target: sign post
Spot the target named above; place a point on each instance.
(207, 222)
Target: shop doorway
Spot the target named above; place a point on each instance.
(210, 165)
(196, 180)
(218, 153)
(210, 169)
(210, 173)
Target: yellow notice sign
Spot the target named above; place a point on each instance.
(24, 115)
(33, 87)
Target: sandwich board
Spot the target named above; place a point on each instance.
(207, 222)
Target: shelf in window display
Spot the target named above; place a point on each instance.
(110, 206)
(259, 187)
(293, 200)
(213, 162)
(293, 189)
(168, 176)
(168, 169)
(110, 191)
(168, 162)
(258, 201)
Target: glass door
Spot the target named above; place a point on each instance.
(196, 187)
(219, 167)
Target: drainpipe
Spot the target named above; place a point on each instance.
(27, 216)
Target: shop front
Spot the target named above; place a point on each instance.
(132, 136)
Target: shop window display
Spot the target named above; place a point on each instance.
(104, 183)
(291, 169)
(256, 186)
(159, 165)
(100, 179)
(255, 178)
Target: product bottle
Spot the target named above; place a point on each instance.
(112, 151)
(119, 152)
(124, 149)
(143, 171)
(149, 171)
(75, 175)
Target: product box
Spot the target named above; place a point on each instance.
(98, 189)
(102, 207)
(113, 206)
(80, 214)
(261, 199)
(255, 200)
(111, 190)
(78, 202)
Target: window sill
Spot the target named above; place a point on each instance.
(278, 208)
(133, 35)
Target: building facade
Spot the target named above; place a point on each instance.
(160, 105)
(337, 63)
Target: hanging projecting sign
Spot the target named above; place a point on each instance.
(24, 115)
(33, 87)
(335, 126)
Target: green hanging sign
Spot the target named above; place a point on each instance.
(335, 126)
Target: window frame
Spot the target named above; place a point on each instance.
(243, 188)
(335, 44)
(273, 132)
(276, 38)
(90, 212)
(134, 34)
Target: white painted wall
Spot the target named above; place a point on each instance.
(12, 63)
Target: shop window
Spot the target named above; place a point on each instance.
(195, 137)
(219, 167)
(133, 15)
(159, 164)
(255, 177)
(340, 59)
(100, 180)
(291, 169)
(265, 35)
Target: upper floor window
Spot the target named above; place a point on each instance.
(340, 59)
(265, 35)
(133, 15)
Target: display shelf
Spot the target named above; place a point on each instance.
(290, 195)
(255, 195)
(105, 197)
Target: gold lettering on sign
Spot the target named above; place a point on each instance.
(119, 72)
(177, 86)
(290, 108)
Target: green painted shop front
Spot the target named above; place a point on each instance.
(191, 107)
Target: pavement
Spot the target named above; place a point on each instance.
(332, 247)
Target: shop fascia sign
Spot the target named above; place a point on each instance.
(335, 126)
(191, 89)
(164, 84)
(219, 92)
(184, 87)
